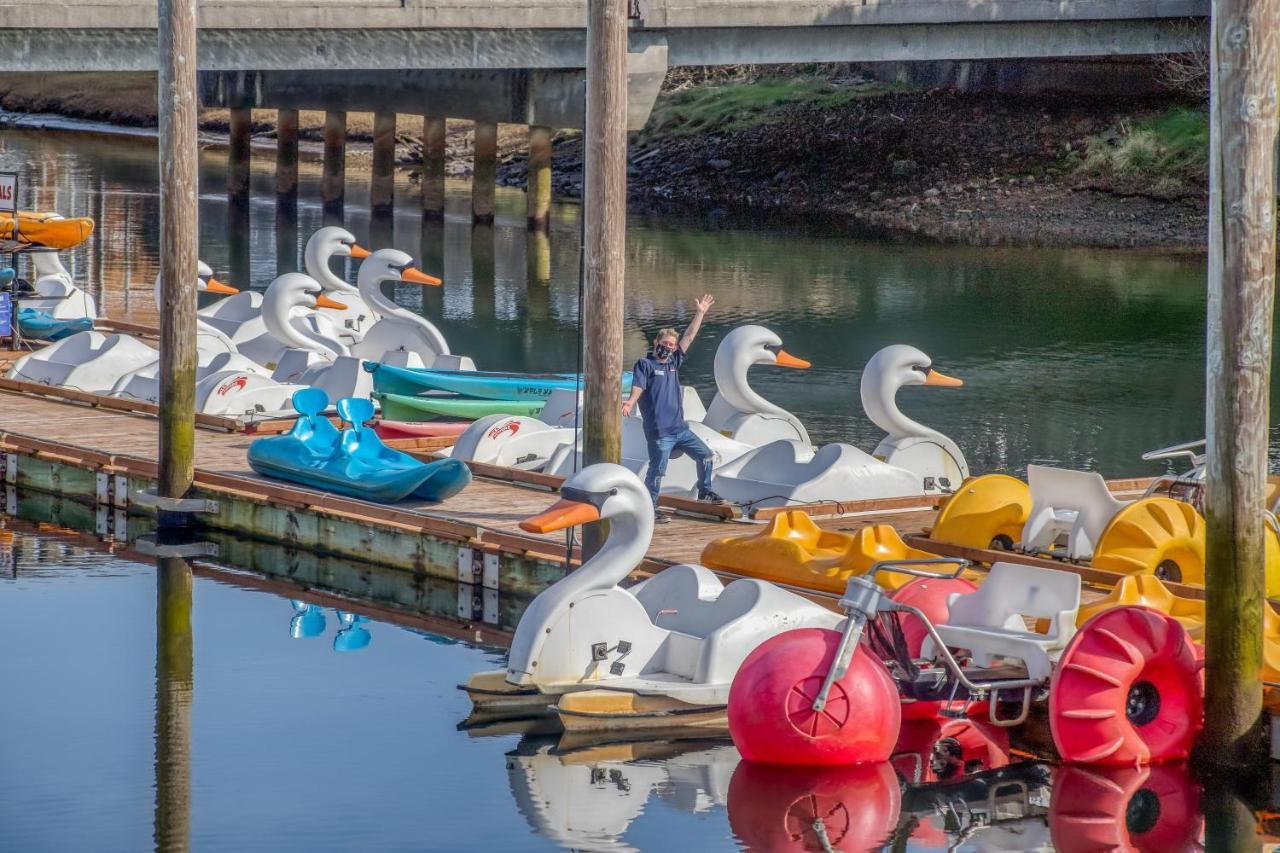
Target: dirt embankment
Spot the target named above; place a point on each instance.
(968, 167)
(972, 168)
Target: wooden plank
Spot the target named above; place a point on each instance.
(101, 401)
(114, 325)
(851, 507)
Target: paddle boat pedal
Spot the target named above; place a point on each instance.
(1124, 689)
(792, 549)
(659, 655)
(353, 462)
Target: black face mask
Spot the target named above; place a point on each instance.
(663, 350)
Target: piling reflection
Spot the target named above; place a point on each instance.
(174, 688)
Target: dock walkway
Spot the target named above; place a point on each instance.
(67, 432)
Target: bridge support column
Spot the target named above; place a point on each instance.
(238, 154)
(539, 186)
(333, 182)
(433, 148)
(287, 157)
(382, 190)
(484, 167)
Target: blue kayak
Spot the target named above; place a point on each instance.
(480, 384)
(353, 462)
(43, 326)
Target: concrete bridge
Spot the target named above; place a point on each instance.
(314, 35)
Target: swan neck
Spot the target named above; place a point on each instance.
(317, 264)
(879, 401)
(733, 385)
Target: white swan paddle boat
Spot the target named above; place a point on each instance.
(662, 653)
(911, 459)
(240, 316)
(400, 336)
(55, 292)
(739, 420)
(324, 361)
(97, 363)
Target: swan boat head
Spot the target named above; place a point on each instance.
(298, 290)
(389, 265)
(888, 370)
(326, 243)
(205, 283)
(742, 348)
(597, 492)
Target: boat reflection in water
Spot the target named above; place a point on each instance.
(587, 798)
(309, 622)
(950, 785)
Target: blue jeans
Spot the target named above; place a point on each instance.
(661, 449)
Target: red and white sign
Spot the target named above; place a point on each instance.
(9, 192)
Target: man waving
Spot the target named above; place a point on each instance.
(655, 384)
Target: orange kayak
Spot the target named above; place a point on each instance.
(47, 230)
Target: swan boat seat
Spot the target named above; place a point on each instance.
(991, 622)
(86, 361)
(776, 475)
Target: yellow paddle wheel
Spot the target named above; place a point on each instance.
(985, 512)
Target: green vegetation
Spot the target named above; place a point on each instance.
(1169, 149)
(734, 106)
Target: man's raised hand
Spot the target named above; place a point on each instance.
(704, 304)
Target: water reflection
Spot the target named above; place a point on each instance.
(586, 799)
(175, 686)
(308, 620)
(353, 635)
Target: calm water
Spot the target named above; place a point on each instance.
(285, 724)
(1083, 358)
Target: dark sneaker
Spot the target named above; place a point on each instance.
(660, 518)
(711, 498)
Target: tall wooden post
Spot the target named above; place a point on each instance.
(175, 674)
(538, 198)
(1242, 259)
(333, 181)
(484, 171)
(433, 153)
(382, 189)
(287, 157)
(604, 201)
(239, 152)
(178, 236)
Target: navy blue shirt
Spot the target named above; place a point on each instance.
(661, 404)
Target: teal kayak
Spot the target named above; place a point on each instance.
(483, 384)
(43, 326)
(401, 407)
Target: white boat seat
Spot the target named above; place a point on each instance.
(692, 600)
(991, 624)
(1075, 504)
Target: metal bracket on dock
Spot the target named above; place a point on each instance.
(10, 500)
(120, 493)
(154, 501)
(479, 568)
(11, 468)
(148, 545)
(479, 604)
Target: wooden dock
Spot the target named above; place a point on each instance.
(101, 455)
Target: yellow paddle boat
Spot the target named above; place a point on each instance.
(1072, 515)
(792, 549)
(44, 230)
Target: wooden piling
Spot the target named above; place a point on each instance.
(333, 182)
(239, 152)
(178, 237)
(484, 171)
(433, 153)
(604, 201)
(1242, 228)
(538, 197)
(382, 189)
(175, 674)
(287, 157)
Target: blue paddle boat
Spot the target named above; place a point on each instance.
(43, 326)
(481, 384)
(353, 462)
